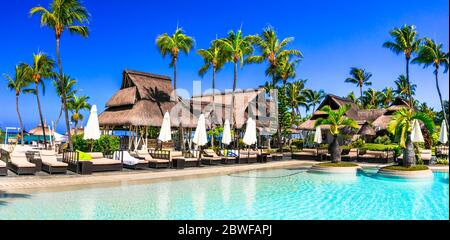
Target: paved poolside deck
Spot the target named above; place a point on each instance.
(41, 182)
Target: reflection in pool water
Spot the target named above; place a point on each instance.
(265, 194)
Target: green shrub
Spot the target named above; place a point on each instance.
(442, 161)
(297, 143)
(383, 140)
(382, 147)
(359, 143)
(79, 143)
(105, 144)
(340, 164)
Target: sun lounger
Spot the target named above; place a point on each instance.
(228, 157)
(129, 161)
(376, 156)
(247, 156)
(50, 163)
(98, 163)
(307, 154)
(349, 155)
(3, 169)
(191, 158)
(210, 157)
(102, 164)
(159, 158)
(18, 163)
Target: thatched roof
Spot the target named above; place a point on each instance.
(142, 101)
(367, 130)
(37, 131)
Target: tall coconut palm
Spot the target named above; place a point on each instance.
(370, 98)
(403, 89)
(61, 16)
(401, 127)
(387, 96)
(214, 58)
(69, 88)
(18, 83)
(315, 98)
(76, 105)
(285, 70)
(39, 71)
(351, 96)
(336, 120)
(173, 45)
(359, 77)
(296, 97)
(404, 41)
(431, 54)
(236, 47)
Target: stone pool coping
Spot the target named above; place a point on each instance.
(37, 183)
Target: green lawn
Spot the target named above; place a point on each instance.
(340, 164)
(412, 168)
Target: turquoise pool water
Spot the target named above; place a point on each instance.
(268, 194)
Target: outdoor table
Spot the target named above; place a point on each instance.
(178, 163)
(85, 167)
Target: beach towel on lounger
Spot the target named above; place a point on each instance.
(127, 158)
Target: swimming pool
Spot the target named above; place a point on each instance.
(262, 194)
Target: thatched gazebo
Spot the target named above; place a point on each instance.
(37, 131)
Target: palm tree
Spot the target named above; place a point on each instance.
(64, 15)
(431, 53)
(351, 96)
(296, 98)
(172, 45)
(69, 89)
(336, 120)
(403, 89)
(214, 59)
(236, 47)
(285, 70)
(401, 127)
(76, 105)
(40, 70)
(17, 84)
(359, 77)
(387, 96)
(370, 98)
(404, 41)
(315, 98)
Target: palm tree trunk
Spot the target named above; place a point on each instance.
(63, 92)
(409, 157)
(40, 115)
(59, 115)
(440, 97)
(180, 129)
(335, 150)
(76, 128)
(232, 103)
(20, 119)
(409, 84)
(360, 91)
(214, 104)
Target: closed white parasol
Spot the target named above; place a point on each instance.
(250, 133)
(318, 135)
(200, 135)
(92, 129)
(165, 134)
(416, 134)
(226, 137)
(443, 137)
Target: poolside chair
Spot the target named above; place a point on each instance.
(228, 156)
(50, 163)
(158, 158)
(3, 169)
(129, 161)
(102, 164)
(210, 157)
(18, 163)
(191, 158)
(307, 154)
(369, 156)
(349, 155)
(247, 156)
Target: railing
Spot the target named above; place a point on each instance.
(71, 157)
(442, 152)
(160, 154)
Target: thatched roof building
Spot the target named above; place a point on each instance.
(142, 101)
(382, 121)
(37, 131)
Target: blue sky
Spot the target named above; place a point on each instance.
(333, 36)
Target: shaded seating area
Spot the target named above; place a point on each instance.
(159, 158)
(210, 157)
(129, 161)
(97, 163)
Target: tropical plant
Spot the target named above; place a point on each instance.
(403, 89)
(370, 98)
(76, 105)
(172, 45)
(401, 127)
(64, 15)
(387, 96)
(69, 88)
(359, 77)
(315, 98)
(423, 107)
(214, 58)
(336, 120)
(296, 97)
(236, 47)
(18, 83)
(40, 70)
(431, 54)
(352, 97)
(440, 116)
(405, 41)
